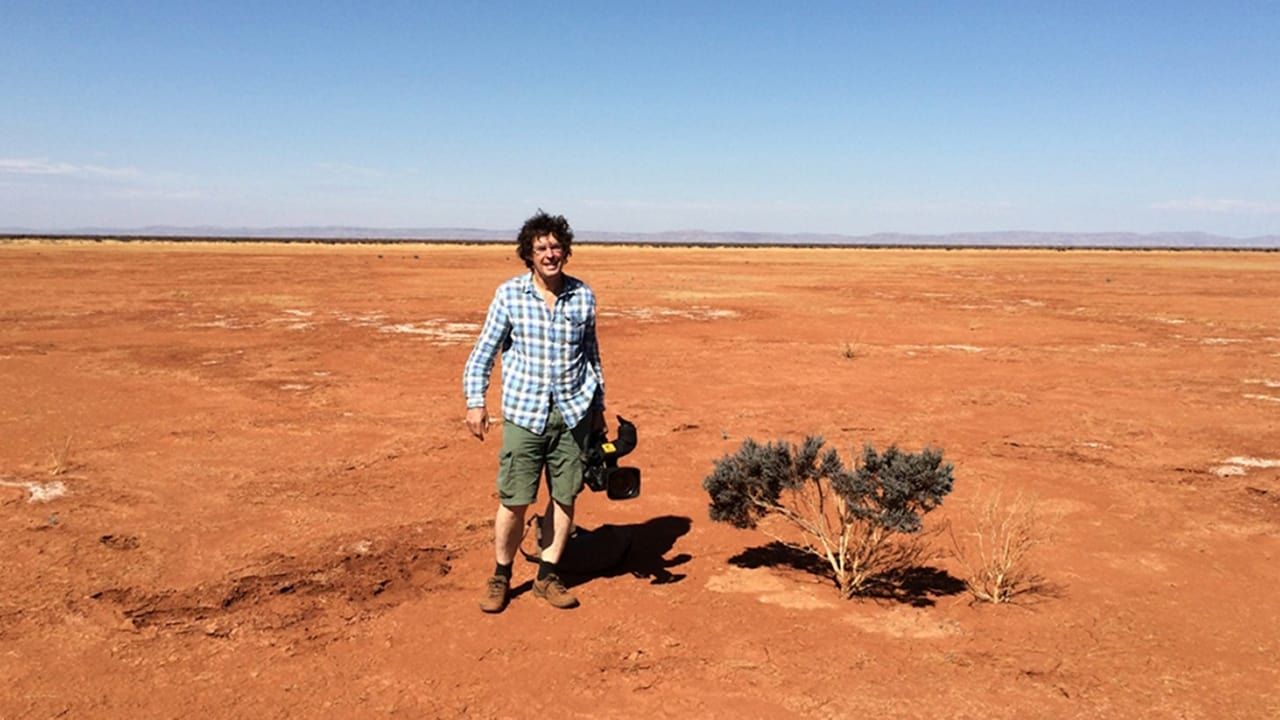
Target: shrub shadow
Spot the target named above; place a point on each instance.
(917, 586)
(636, 549)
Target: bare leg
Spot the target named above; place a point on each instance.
(507, 525)
(546, 526)
(560, 519)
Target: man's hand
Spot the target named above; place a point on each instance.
(478, 421)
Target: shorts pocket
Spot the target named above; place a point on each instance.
(506, 486)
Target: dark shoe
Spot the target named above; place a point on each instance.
(554, 592)
(495, 594)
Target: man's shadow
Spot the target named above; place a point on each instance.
(636, 549)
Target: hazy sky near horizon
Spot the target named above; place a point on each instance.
(834, 117)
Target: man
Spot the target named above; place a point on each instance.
(544, 324)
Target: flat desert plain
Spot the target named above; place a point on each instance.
(236, 484)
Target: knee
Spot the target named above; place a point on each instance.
(515, 512)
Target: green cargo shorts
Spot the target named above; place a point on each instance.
(525, 454)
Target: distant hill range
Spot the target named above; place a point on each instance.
(1012, 238)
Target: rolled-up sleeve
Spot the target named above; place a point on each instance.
(496, 329)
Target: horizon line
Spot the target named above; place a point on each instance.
(435, 231)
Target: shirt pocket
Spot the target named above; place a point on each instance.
(575, 329)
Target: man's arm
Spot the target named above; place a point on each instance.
(596, 414)
(475, 374)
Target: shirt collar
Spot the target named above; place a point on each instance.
(571, 285)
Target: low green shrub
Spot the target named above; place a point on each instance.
(855, 520)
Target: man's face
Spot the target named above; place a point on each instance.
(548, 258)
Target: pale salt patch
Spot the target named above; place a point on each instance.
(1170, 320)
(294, 386)
(299, 326)
(656, 314)
(220, 322)
(1262, 381)
(362, 319)
(911, 349)
(1098, 445)
(298, 313)
(40, 492)
(1221, 341)
(1032, 303)
(211, 362)
(440, 331)
(407, 328)
(1234, 466)
(1269, 398)
(321, 373)
(46, 492)
(1253, 462)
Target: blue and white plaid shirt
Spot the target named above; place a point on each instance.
(548, 354)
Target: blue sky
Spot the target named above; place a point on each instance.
(823, 117)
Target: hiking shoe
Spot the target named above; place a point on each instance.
(552, 590)
(495, 594)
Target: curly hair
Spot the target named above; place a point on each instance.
(539, 225)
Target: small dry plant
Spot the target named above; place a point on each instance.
(849, 352)
(996, 553)
(862, 523)
(60, 458)
(855, 551)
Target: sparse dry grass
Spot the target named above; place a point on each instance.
(60, 457)
(996, 554)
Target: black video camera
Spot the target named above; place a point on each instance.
(600, 460)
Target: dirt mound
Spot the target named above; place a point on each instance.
(347, 579)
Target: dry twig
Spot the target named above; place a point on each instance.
(996, 554)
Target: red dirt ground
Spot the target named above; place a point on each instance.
(273, 509)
